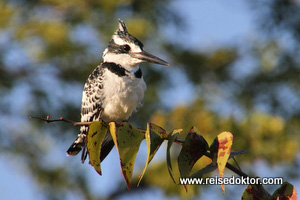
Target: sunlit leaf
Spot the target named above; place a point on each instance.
(127, 139)
(155, 136)
(172, 136)
(95, 137)
(285, 191)
(225, 140)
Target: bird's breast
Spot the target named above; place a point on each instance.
(122, 95)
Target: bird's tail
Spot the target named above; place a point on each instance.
(107, 146)
(77, 145)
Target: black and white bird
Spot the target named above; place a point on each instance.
(115, 89)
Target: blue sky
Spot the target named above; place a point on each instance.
(210, 24)
(214, 23)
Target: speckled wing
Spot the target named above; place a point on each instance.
(91, 109)
(92, 98)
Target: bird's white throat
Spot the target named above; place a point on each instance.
(123, 95)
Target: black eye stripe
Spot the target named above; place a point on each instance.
(116, 48)
(129, 38)
(126, 37)
(125, 48)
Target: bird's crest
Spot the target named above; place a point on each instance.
(122, 30)
(122, 26)
(123, 34)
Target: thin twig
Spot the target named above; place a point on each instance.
(48, 120)
(236, 163)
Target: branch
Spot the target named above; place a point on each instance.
(48, 120)
(177, 140)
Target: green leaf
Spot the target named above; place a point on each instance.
(285, 191)
(193, 148)
(127, 139)
(95, 137)
(172, 136)
(255, 192)
(155, 136)
(225, 140)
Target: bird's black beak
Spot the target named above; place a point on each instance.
(147, 57)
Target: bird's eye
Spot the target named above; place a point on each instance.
(126, 48)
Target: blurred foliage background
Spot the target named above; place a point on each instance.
(49, 47)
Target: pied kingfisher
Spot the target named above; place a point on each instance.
(114, 89)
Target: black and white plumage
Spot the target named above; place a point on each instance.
(115, 89)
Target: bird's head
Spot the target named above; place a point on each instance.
(126, 50)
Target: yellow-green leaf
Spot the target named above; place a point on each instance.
(95, 137)
(127, 139)
(155, 136)
(225, 140)
(171, 138)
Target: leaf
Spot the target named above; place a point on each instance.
(155, 136)
(255, 192)
(285, 191)
(95, 137)
(225, 140)
(127, 139)
(193, 148)
(172, 136)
